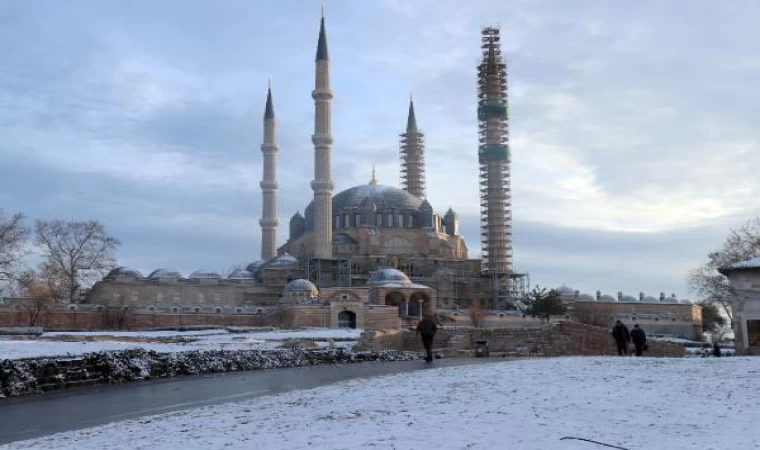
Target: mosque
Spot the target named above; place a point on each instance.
(371, 256)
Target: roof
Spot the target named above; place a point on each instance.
(300, 285)
(164, 273)
(753, 263)
(384, 197)
(411, 122)
(124, 272)
(204, 274)
(269, 111)
(322, 44)
(241, 274)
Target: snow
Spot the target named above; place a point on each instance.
(748, 264)
(634, 403)
(196, 340)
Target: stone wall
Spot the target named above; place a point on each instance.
(561, 339)
(32, 376)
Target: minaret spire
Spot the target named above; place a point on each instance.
(322, 139)
(268, 183)
(373, 180)
(412, 155)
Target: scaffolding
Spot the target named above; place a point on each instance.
(329, 272)
(493, 156)
(412, 157)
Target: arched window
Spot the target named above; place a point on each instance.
(379, 219)
(357, 220)
(389, 222)
(337, 222)
(400, 220)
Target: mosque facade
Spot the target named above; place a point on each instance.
(371, 256)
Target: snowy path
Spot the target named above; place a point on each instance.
(529, 404)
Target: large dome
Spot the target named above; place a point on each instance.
(300, 285)
(385, 197)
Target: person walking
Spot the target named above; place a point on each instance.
(427, 329)
(622, 337)
(639, 339)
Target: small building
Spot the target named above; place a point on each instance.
(744, 280)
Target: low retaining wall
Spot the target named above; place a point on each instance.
(33, 376)
(560, 339)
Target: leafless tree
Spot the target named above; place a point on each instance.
(37, 293)
(742, 243)
(77, 253)
(13, 236)
(476, 313)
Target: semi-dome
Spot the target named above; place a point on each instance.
(281, 261)
(204, 275)
(241, 274)
(254, 266)
(300, 285)
(164, 273)
(124, 272)
(389, 276)
(607, 298)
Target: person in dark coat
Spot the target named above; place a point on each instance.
(639, 339)
(622, 337)
(716, 349)
(427, 329)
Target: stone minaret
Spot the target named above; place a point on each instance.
(322, 139)
(412, 156)
(494, 157)
(268, 184)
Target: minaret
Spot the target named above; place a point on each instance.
(493, 156)
(412, 156)
(322, 139)
(268, 184)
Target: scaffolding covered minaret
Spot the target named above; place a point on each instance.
(493, 156)
(412, 156)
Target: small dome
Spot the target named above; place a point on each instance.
(300, 285)
(650, 299)
(586, 298)
(686, 301)
(629, 299)
(254, 266)
(383, 277)
(164, 273)
(565, 291)
(205, 275)
(670, 300)
(124, 272)
(607, 298)
(281, 261)
(241, 274)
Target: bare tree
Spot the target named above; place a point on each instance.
(13, 236)
(77, 253)
(476, 313)
(742, 243)
(38, 295)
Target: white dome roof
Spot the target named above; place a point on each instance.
(205, 274)
(629, 299)
(586, 298)
(607, 298)
(254, 266)
(670, 300)
(650, 299)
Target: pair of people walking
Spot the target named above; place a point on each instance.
(623, 337)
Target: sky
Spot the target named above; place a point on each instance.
(632, 124)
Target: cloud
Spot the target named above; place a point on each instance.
(633, 132)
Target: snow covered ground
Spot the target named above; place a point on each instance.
(634, 403)
(197, 340)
